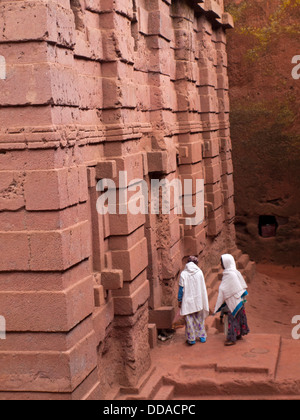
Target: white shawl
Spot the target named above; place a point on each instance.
(194, 291)
(233, 285)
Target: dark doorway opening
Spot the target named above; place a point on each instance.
(267, 226)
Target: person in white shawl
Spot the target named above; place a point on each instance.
(232, 292)
(193, 301)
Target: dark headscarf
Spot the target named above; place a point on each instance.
(193, 259)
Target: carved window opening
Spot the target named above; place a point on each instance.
(267, 226)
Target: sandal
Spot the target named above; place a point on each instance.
(229, 343)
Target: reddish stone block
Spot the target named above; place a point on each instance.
(160, 24)
(161, 57)
(83, 184)
(64, 85)
(193, 180)
(112, 279)
(215, 197)
(27, 84)
(223, 98)
(122, 6)
(94, 48)
(133, 166)
(51, 189)
(208, 76)
(99, 295)
(132, 261)
(130, 287)
(213, 8)
(215, 222)
(128, 305)
(22, 117)
(59, 250)
(124, 242)
(171, 261)
(227, 166)
(152, 331)
(106, 169)
(162, 317)
(227, 185)
(102, 318)
(90, 388)
(208, 103)
(212, 171)
(211, 148)
(157, 161)
(47, 310)
(222, 81)
(15, 251)
(45, 18)
(182, 10)
(227, 21)
(58, 371)
(11, 191)
(118, 44)
(124, 224)
(195, 244)
(142, 93)
(229, 208)
(225, 144)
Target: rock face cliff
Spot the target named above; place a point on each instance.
(264, 80)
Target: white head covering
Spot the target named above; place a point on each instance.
(233, 283)
(195, 294)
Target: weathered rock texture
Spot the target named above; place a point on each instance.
(265, 125)
(88, 89)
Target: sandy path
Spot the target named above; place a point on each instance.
(274, 299)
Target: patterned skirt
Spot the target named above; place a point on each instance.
(194, 327)
(237, 326)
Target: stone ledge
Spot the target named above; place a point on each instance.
(162, 317)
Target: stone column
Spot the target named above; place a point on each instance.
(46, 285)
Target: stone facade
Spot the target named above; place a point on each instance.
(88, 89)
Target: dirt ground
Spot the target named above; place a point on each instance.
(264, 365)
(274, 299)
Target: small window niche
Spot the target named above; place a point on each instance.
(2, 68)
(267, 226)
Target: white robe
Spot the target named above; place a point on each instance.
(194, 291)
(232, 287)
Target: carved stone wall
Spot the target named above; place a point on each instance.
(91, 88)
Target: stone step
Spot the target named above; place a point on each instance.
(222, 384)
(236, 397)
(149, 389)
(165, 393)
(125, 392)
